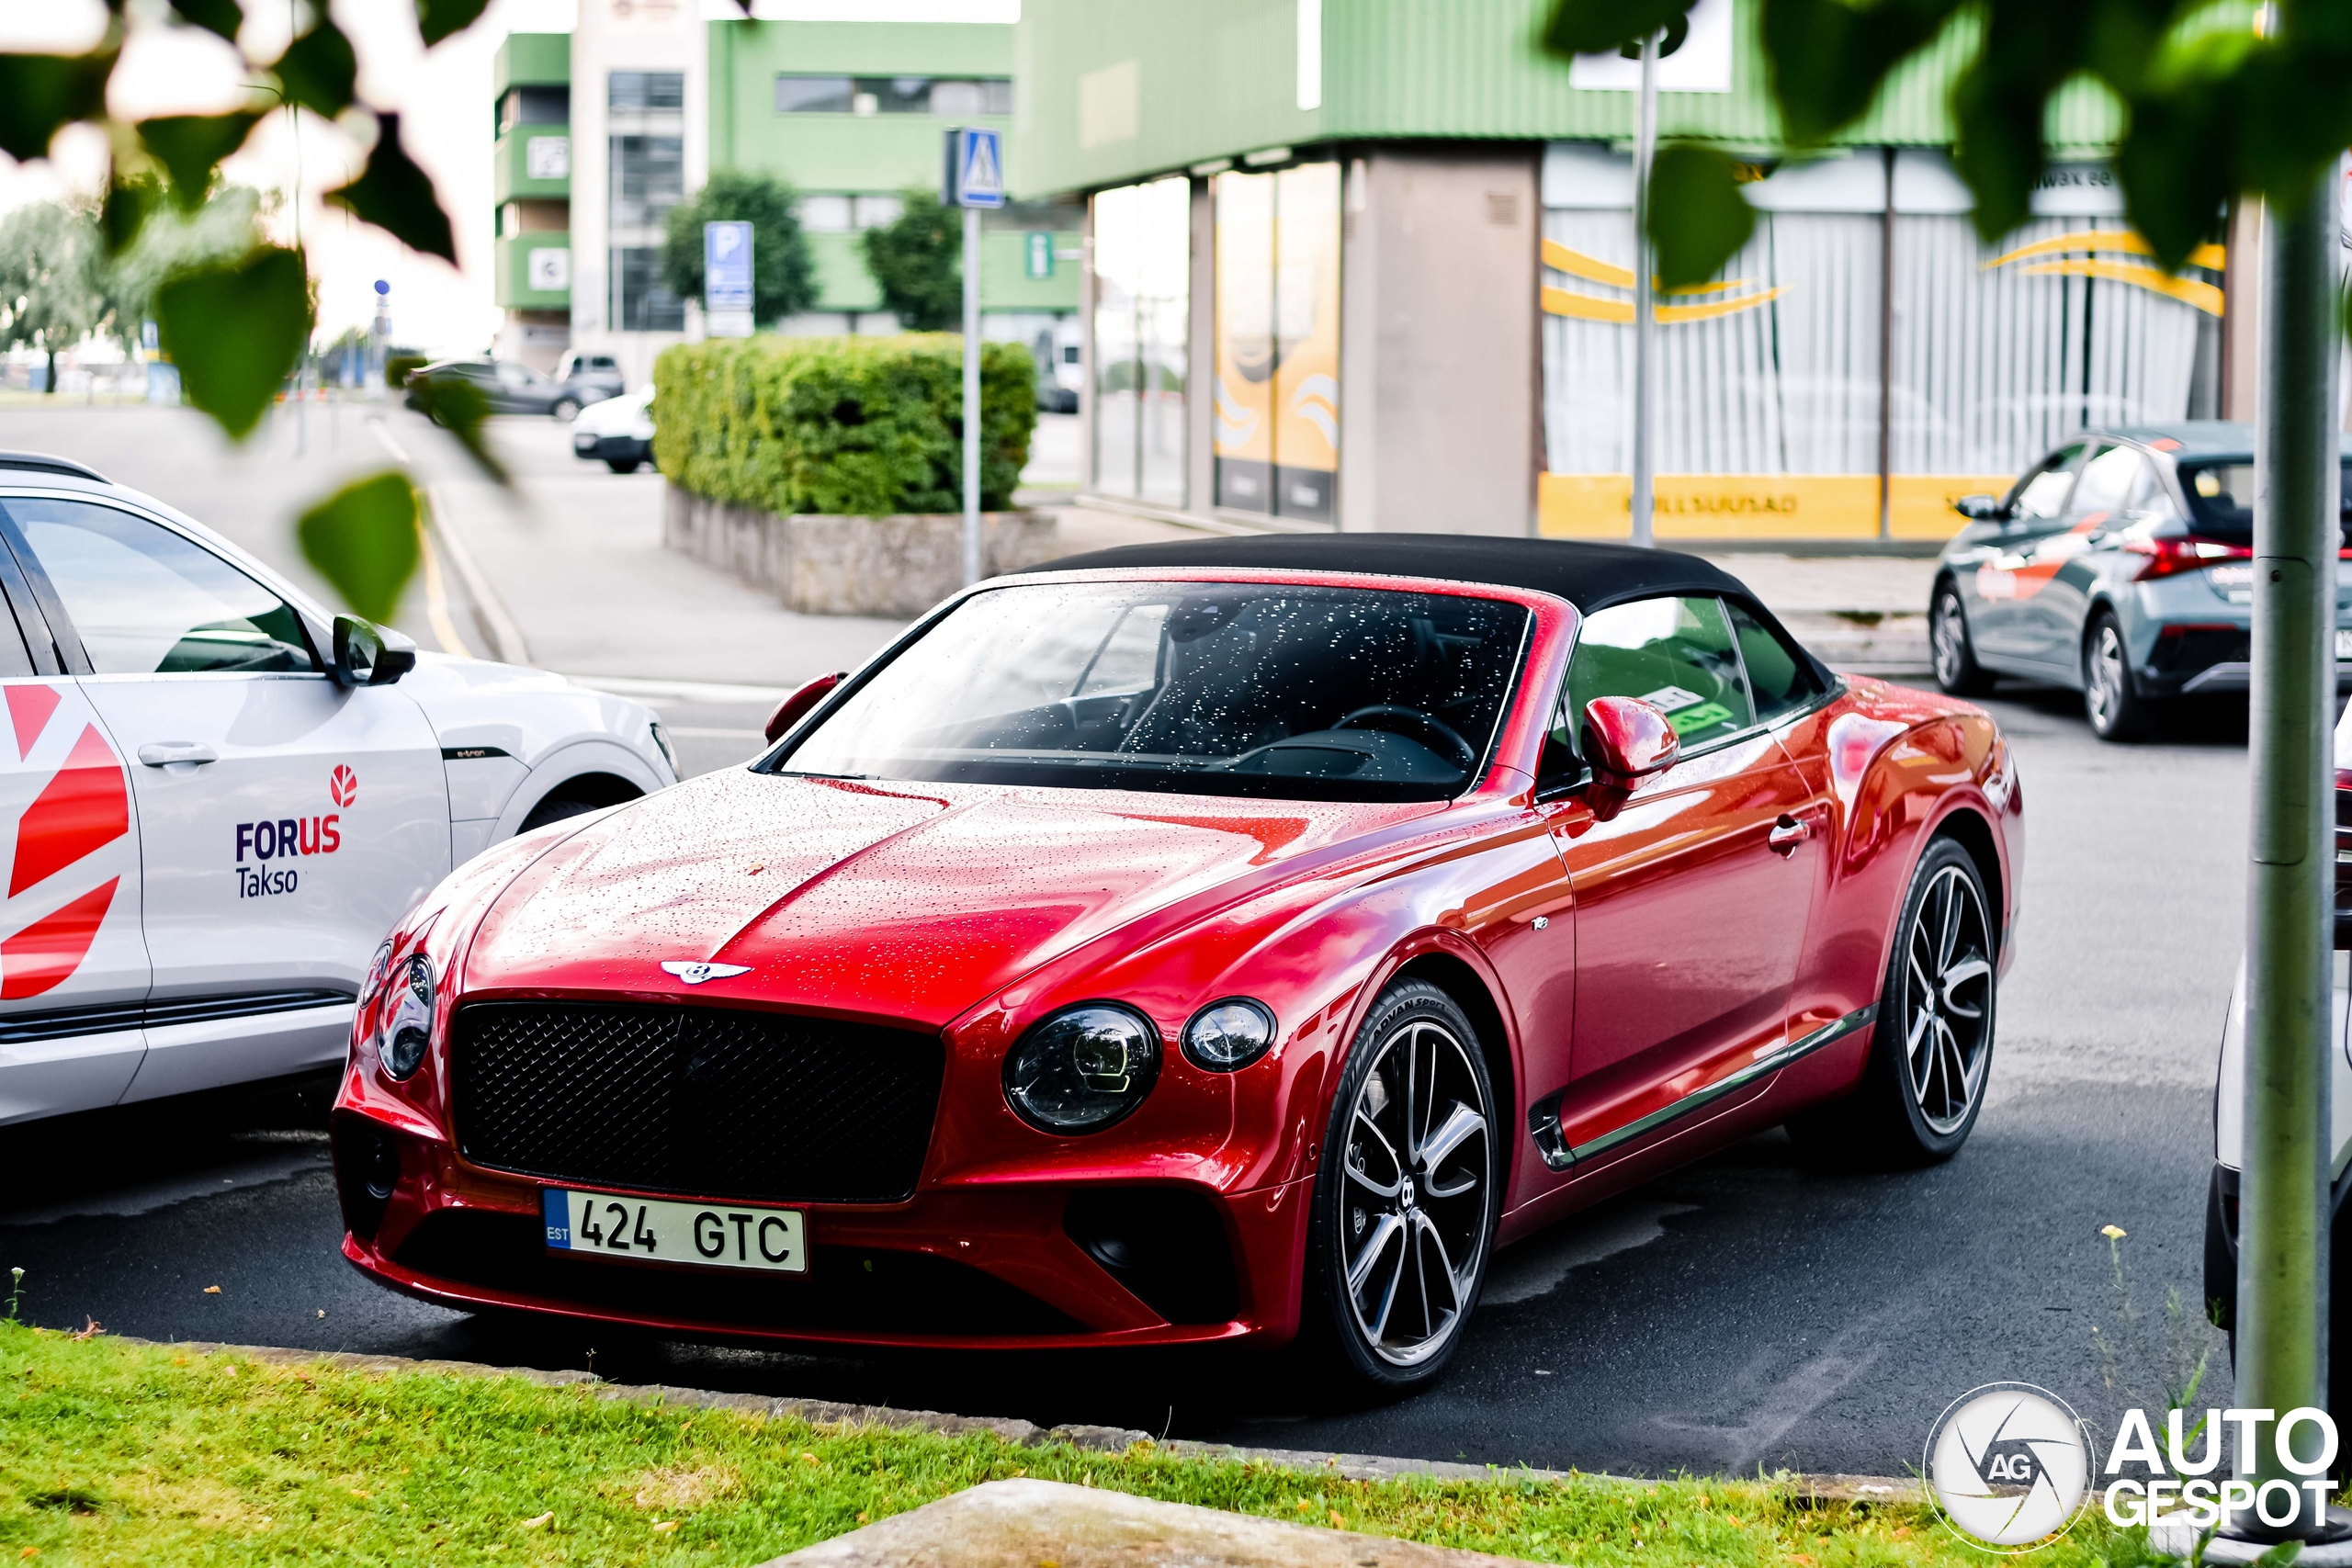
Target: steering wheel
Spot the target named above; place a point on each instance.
(1464, 755)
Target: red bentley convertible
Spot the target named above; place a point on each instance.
(1228, 940)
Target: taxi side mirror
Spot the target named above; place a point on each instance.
(795, 708)
(1628, 739)
(1982, 509)
(368, 655)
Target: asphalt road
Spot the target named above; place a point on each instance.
(1746, 1312)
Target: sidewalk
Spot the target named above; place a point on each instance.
(1863, 614)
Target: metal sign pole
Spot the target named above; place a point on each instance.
(1644, 265)
(971, 395)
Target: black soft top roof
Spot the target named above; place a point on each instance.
(1587, 575)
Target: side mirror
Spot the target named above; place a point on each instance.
(795, 708)
(368, 655)
(1982, 508)
(1626, 739)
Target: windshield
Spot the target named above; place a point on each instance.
(1207, 688)
(2221, 497)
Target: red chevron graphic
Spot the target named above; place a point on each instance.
(84, 807)
(29, 710)
(45, 954)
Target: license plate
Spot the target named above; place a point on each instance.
(705, 1236)
(2344, 645)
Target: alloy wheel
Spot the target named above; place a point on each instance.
(2103, 680)
(1948, 1000)
(1414, 1209)
(1950, 640)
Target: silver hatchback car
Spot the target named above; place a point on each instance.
(2121, 565)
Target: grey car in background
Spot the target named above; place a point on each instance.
(595, 377)
(510, 387)
(2121, 566)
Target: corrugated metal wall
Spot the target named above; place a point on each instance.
(1217, 78)
(1994, 367)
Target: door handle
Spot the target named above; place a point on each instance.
(162, 753)
(1787, 834)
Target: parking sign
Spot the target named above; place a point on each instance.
(726, 267)
(974, 167)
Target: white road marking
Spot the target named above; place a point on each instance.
(1776, 1405)
(384, 438)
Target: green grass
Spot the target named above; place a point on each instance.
(121, 1453)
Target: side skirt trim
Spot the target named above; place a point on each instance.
(1543, 1122)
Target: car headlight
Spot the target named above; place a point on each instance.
(1083, 1069)
(1228, 1035)
(408, 1016)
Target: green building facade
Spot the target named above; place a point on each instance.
(1369, 266)
(852, 114)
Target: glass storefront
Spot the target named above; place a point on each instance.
(1277, 446)
(1142, 319)
(1768, 380)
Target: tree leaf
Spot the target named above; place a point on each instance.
(1699, 216)
(363, 540)
(1590, 27)
(221, 16)
(39, 92)
(437, 19)
(123, 210)
(235, 329)
(1827, 59)
(319, 70)
(396, 195)
(190, 147)
(457, 406)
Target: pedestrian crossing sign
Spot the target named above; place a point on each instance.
(974, 167)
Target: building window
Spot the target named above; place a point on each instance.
(1142, 315)
(646, 92)
(641, 302)
(532, 106)
(648, 178)
(1277, 444)
(955, 97)
(1768, 397)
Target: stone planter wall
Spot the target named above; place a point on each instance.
(897, 565)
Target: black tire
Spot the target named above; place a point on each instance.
(556, 807)
(1907, 1110)
(622, 465)
(1446, 1202)
(2111, 698)
(1949, 645)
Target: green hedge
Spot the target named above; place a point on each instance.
(859, 426)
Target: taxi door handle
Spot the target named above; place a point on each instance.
(1787, 834)
(162, 753)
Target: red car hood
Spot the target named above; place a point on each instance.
(904, 901)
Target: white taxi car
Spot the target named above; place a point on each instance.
(218, 797)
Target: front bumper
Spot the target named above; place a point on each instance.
(591, 447)
(1005, 1264)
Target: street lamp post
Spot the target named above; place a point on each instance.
(1645, 268)
(2283, 1208)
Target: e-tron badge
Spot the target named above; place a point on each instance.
(695, 972)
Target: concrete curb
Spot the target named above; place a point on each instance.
(1807, 1489)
